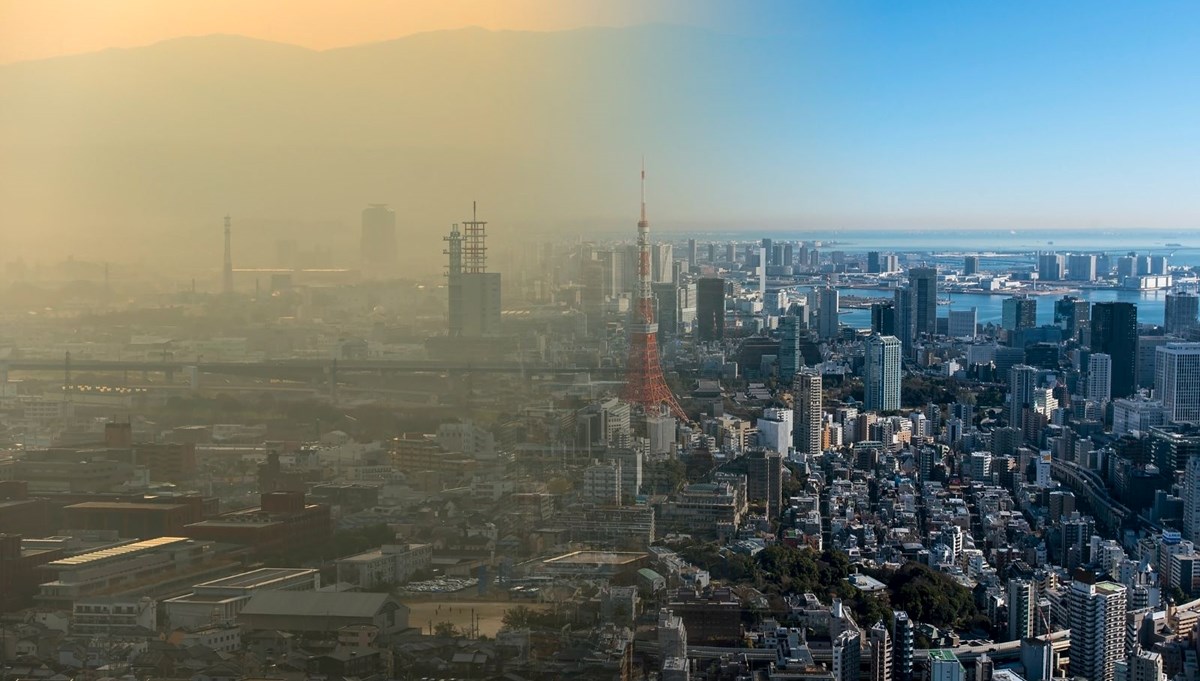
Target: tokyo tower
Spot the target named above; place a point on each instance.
(644, 382)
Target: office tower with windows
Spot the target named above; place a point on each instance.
(1071, 315)
(883, 318)
(1051, 267)
(1022, 384)
(962, 323)
(710, 309)
(881, 373)
(903, 634)
(1081, 267)
(378, 241)
(828, 322)
(873, 262)
(970, 265)
(791, 331)
(1099, 378)
(1177, 380)
(807, 413)
(922, 282)
(1022, 604)
(1114, 332)
(1180, 312)
(1019, 312)
(1096, 614)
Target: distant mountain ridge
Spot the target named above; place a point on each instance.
(140, 151)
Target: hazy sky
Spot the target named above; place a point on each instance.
(35, 29)
(775, 115)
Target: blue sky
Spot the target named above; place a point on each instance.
(1072, 114)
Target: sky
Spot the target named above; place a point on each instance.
(843, 114)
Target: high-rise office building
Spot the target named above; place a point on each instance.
(1177, 380)
(378, 241)
(903, 634)
(882, 373)
(1099, 378)
(1081, 267)
(1096, 614)
(970, 265)
(710, 309)
(764, 480)
(1114, 332)
(661, 261)
(962, 323)
(474, 293)
(691, 253)
(883, 318)
(1019, 312)
(922, 282)
(1180, 312)
(1022, 606)
(873, 262)
(791, 330)
(828, 322)
(1191, 498)
(881, 652)
(1022, 385)
(1051, 267)
(1071, 315)
(807, 413)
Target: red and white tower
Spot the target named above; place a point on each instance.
(644, 382)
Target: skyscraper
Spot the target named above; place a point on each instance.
(881, 373)
(1019, 312)
(790, 359)
(1022, 603)
(873, 262)
(807, 414)
(1051, 267)
(1180, 313)
(691, 252)
(710, 309)
(961, 323)
(970, 265)
(922, 282)
(378, 241)
(1114, 332)
(1071, 315)
(828, 322)
(1081, 267)
(1022, 384)
(903, 633)
(1099, 378)
(474, 293)
(1096, 613)
(883, 318)
(1177, 380)
(881, 652)
(660, 263)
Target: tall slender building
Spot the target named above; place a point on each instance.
(1099, 378)
(790, 357)
(1071, 315)
(1022, 603)
(828, 322)
(1115, 333)
(1019, 312)
(1180, 312)
(378, 241)
(710, 309)
(807, 410)
(1096, 613)
(1177, 380)
(903, 633)
(922, 281)
(227, 271)
(1022, 383)
(883, 319)
(881, 373)
(881, 652)
(644, 381)
(474, 293)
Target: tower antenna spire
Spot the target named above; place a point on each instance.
(643, 188)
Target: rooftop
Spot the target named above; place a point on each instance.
(596, 557)
(118, 551)
(316, 604)
(256, 578)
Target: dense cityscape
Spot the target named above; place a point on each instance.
(667, 459)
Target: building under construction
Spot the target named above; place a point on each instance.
(474, 293)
